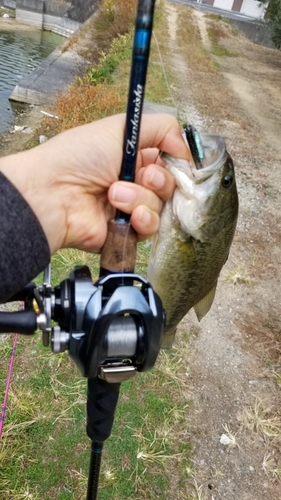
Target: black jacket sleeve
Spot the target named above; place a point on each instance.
(24, 250)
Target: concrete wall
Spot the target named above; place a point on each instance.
(63, 17)
(30, 12)
(79, 10)
(10, 4)
(56, 8)
(61, 25)
(256, 32)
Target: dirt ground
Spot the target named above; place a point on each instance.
(235, 362)
(234, 374)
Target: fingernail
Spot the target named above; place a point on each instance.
(144, 216)
(157, 179)
(123, 193)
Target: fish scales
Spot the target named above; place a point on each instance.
(196, 230)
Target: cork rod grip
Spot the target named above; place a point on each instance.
(119, 251)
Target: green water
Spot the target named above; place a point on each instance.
(20, 53)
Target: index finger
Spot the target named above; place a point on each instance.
(163, 131)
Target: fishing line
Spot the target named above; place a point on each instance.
(164, 72)
(178, 113)
(4, 407)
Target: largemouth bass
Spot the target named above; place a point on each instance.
(196, 231)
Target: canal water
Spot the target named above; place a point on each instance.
(20, 52)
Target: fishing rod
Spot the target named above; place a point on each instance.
(119, 251)
(120, 232)
(113, 328)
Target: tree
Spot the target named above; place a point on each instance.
(272, 8)
(273, 19)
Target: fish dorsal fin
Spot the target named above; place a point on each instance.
(204, 305)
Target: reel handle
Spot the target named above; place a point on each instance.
(25, 322)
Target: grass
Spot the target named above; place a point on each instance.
(34, 419)
(6, 10)
(113, 18)
(189, 37)
(201, 67)
(198, 491)
(120, 49)
(44, 433)
(102, 91)
(217, 32)
(65, 260)
(45, 451)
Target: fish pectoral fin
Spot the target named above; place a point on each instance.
(154, 242)
(204, 305)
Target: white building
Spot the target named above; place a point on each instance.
(252, 8)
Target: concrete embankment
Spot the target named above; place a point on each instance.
(59, 69)
(53, 75)
(258, 32)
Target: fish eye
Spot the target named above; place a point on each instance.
(227, 181)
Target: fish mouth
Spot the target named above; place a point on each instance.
(190, 173)
(208, 152)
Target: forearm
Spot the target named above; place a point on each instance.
(32, 174)
(24, 250)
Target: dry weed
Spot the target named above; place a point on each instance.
(24, 494)
(84, 104)
(271, 468)
(238, 277)
(231, 436)
(263, 333)
(263, 420)
(198, 493)
(115, 17)
(170, 368)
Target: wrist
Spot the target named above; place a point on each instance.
(26, 172)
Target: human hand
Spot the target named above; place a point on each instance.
(71, 181)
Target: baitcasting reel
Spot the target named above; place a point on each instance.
(111, 329)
